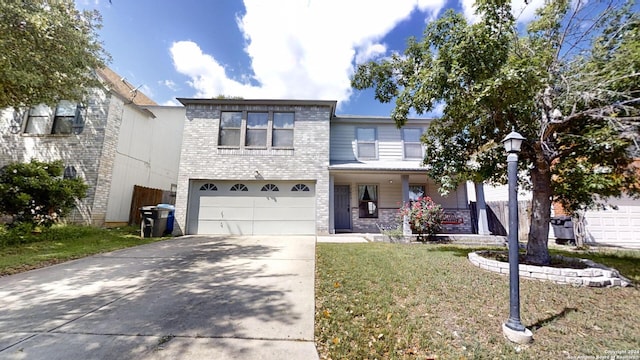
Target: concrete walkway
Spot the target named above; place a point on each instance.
(186, 298)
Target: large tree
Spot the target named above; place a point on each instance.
(569, 83)
(48, 50)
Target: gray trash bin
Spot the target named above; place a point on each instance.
(563, 229)
(170, 217)
(153, 221)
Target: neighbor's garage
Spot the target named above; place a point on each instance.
(251, 208)
(615, 227)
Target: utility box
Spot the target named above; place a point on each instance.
(153, 221)
(563, 229)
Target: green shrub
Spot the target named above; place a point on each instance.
(425, 216)
(36, 192)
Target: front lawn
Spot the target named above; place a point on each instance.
(389, 301)
(22, 252)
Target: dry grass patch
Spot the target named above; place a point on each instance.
(388, 301)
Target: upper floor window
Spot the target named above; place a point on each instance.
(282, 135)
(366, 143)
(256, 129)
(411, 142)
(230, 127)
(65, 119)
(38, 120)
(257, 123)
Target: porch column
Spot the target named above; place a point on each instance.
(481, 206)
(332, 225)
(406, 229)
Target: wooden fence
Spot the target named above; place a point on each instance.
(144, 196)
(498, 218)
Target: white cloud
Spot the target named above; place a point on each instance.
(523, 12)
(169, 84)
(171, 102)
(300, 49)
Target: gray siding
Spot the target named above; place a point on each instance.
(389, 137)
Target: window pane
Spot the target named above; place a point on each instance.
(62, 125)
(413, 151)
(282, 138)
(230, 137)
(66, 108)
(256, 137)
(257, 120)
(231, 120)
(411, 135)
(283, 120)
(368, 201)
(366, 150)
(36, 125)
(416, 192)
(39, 110)
(368, 134)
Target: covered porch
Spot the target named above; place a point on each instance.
(364, 199)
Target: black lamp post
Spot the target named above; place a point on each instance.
(513, 328)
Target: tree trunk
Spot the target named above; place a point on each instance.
(537, 246)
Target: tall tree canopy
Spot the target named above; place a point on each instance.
(569, 84)
(48, 50)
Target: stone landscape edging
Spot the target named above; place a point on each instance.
(595, 275)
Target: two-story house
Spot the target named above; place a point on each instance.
(294, 167)
(114, 139)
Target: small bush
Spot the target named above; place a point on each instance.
(16, 234)
(36, 192)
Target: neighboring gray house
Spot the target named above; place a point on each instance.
(114, 139)
(293, 167)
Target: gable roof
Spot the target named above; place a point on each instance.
(123, 88)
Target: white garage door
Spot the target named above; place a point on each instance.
(252, 208)
(619, 227)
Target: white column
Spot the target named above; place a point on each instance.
(481, 206)
(406, 229)
(332, 225)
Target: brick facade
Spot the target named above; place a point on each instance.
(307, 160)
(82, 151)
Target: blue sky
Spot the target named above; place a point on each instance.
(277, 49)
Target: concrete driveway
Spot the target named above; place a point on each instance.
(187, 298)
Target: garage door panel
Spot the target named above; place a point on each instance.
(227, 201)
(284, 214)
(226, 213)
(253, 212)
(285, 201)
(217, 227)
(284, 227)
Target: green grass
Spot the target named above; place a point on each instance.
(390, 301)
(63, 243)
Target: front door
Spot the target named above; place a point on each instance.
(342, 207)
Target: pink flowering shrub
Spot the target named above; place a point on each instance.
(424, 215)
